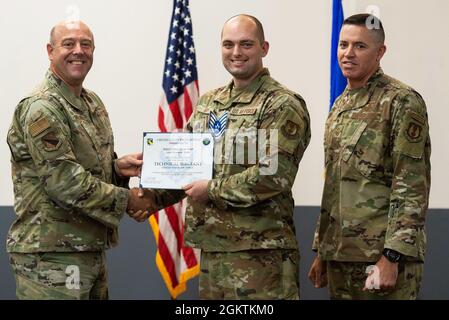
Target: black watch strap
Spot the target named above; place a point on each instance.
(392, 255)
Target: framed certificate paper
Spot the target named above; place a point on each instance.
(172, 160)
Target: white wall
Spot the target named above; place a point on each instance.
(130, 46)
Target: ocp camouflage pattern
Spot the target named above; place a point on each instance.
(67, 196)
(377, 182)
(249, 209)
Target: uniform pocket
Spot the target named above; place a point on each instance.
(365, 150)
(201, 120)
(290, 274)
(349, 148)
(244, 137)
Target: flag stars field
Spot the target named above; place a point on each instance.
(180, 53)
(176, 262)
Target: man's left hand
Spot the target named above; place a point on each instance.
(197, 191)
(129, 165)
(387, 273)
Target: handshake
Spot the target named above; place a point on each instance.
(141, 204)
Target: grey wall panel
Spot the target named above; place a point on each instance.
(133, 273)
(7, 284)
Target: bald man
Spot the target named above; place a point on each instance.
(242, 219)
(70, 190)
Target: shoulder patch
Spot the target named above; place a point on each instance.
(51, 141)
(38, 126)
(413, 135)
(290, 129)
(415, 126)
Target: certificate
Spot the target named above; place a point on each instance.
(172, 160)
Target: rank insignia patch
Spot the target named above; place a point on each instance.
(217, 126)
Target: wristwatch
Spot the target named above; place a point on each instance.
(392, 255)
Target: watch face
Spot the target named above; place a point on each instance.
(392, 255)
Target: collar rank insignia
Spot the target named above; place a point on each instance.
(217, 126)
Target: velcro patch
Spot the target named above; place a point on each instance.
(415, 126)
(243, 111)
(38, 126)
(50, 141)
(290, 129)
(412, 136)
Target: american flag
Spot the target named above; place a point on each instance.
(176, 262)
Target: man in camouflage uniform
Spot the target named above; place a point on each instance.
(242, 219)
(377, 156)
(70, 190)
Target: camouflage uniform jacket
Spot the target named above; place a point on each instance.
(62, 171)
(249, 209)
(377, 158)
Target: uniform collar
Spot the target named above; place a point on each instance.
(64, 90)
(375, 78)
(357, 98)
(247, 94)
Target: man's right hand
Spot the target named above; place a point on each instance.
(129, 165)
(140, 205)
(318, 273)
